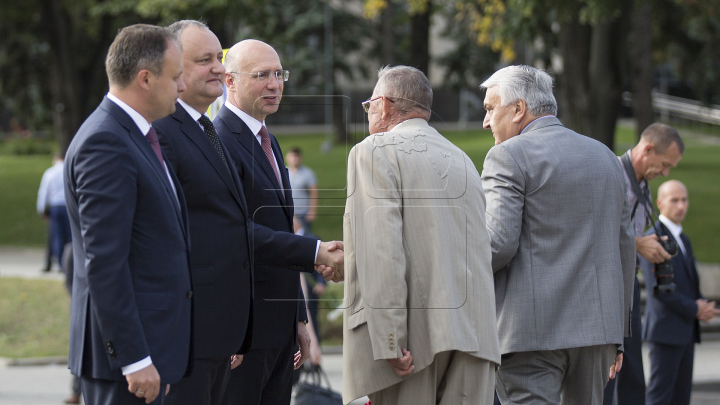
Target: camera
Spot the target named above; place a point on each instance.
(664, 278)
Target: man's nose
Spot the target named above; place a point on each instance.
(486, 122)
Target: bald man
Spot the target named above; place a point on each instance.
(672, 320)
(254, 80)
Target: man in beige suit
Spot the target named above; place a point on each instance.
(419, 326)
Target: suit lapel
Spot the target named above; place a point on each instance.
(142, 143)
(249, 142)
(689, 259)
(191, 129)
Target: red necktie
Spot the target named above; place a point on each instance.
(155, 145)
(265, 143)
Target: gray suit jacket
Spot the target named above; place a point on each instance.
(417, 257)
(562, 244)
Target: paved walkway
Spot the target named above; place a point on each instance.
(50, 384)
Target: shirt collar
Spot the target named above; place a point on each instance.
(674, 228)
(250, 121)
(195, 114)
(139, 120)
(536, 119)
(401, 123)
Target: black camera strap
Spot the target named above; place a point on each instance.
(642, 197)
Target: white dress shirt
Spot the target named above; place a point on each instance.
(195, 114)
(675, 230)
(255, 127)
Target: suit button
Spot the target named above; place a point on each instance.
(392, 347)
(189, 294)
(391, 334)
(247, 265)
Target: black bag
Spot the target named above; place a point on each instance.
(309, 390)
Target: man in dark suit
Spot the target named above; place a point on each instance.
(130, 326)
(254, 82)
(672, 320)
(220, 256)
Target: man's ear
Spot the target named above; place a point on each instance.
(229, 81)
(648, 148)
(387, 109)
(520, 111)
(144, 77)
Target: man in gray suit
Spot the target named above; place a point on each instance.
(562, 247)
(419, 327)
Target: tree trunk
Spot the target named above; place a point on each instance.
(67, 106)
(640, 46)
(388, 29)
(592, 75)
(574, 43)
(420, 40)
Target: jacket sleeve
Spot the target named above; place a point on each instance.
(377, 217)
(504, 187)
(105, 183)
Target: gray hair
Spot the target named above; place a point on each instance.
(408, 87)
(135, 48)
(524, 82)
(177, 28)
(661, 136)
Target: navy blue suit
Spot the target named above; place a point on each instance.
(220, 256)
(132, 288)
(266, 371)
(672, 329)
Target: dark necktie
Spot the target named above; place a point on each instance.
(213, 136)
(155, 145)
(265, 143)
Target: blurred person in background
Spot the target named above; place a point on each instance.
(304, 187)
(51, 205)
(672, 321)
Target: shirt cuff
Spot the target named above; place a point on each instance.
(317, 249)
(131, 368)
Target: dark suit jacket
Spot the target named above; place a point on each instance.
(278, 303)
(672, 318)
(220, 229)
(132, 289)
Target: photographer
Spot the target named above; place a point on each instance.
(660, 149)
(672, 326)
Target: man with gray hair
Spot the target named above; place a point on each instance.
(562, 247)
(419, 327)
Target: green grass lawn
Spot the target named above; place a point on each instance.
(20, 177)
(34, 318)
(699, 170)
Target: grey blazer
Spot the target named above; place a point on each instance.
(563, 249)
(417, 257)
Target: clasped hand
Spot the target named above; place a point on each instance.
(331, 261)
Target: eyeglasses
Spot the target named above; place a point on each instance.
(366, 103)
(265, 75)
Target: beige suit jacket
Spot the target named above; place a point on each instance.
(417, 253)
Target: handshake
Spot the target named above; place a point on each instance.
(330, 261)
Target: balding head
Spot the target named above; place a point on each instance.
(672, 200)
(245, 89)
(246, 52)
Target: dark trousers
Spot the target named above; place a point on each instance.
(263, 378)
(60, 230)
(671, 369)
(104, 392)
(630, 380)
(205, 386)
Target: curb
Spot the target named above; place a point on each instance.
(33, 361)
